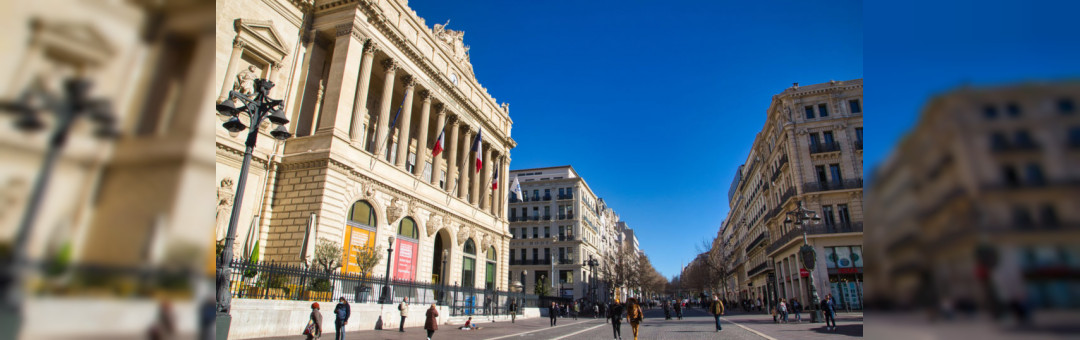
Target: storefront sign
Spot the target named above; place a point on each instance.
(405, 261)
(803, 272)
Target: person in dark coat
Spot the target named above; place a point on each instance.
(678, 309)
(431, 321)
(615, 315)
(716, 309)
(553, 312)
(828, 307)
(341, 318)
(513, 310)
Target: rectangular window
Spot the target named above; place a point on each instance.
(834, 170)
(536, 254)
(823, 110)
(561, 192)
(828, 137)
(562, 254)
(536, 195)
(524, 212)
(809, 111)
(427, 172)
(410, 164)
(1012, 109)
(391, 155)
(442, 179)
(858, 134)
(536, 232)
(570, 191)
(845, 216)
(855, 107)
(513, 233)
(827, 215)
(814, 141)
(547, 232)
(1065, 106)
(822, 177)
(547, 254)
(830, 257)
(566, 276)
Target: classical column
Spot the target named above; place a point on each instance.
(440, 124)
(405, 121)
(360, 105)
(465, 171)
(230, 71)
(451, 155)
(341, 82)
(484, 180)
(384, 107)
(422, 138)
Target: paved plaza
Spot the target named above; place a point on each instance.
(696, 324)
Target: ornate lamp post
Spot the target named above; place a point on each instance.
(258, 107)
(592, 263)
(386, 298)
(76, 104)
(442, 281)
(802, 217)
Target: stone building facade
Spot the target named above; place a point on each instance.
(368, 87)
(982, 201)
(809, 152)
(559, 223)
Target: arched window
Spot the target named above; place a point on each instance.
(359, 234)
(407, 246)
(468, 264)
(489, 273)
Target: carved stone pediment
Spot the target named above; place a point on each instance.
(261, 37)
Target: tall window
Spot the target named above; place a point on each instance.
(1011, 177)
(536, 195)
(536, 212)
(855, 107)
(858, 134)
(834, 170)
(809, 111)
(1034, 175)
(570, 191)
(1012, 109)
(547, 211)
(536, 254)
(827, 212)
(407, 249)
(814, 139)
(1065, 106)
(547, 254)
(561, 191)
(359, 233)
(427, 171)
(845, 216)
(513, 234)
(536, 232)
(822, 177)
(489, 271)
(823, 110)
(442, 179)
(562, 254)
(411, 162)
(547, 232)
(468, 264)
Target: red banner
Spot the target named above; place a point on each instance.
(848, 271)
(803, 272)
(405, 263)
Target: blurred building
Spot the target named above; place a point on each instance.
(982, 201)
(560, 219)
(809, 151)
(368, 88)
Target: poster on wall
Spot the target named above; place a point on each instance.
(358, 238)
(405, 261)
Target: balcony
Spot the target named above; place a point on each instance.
(535, 198)
(854, 183)
(535, 218)
(787, 194)
(819, 229)
(759, 268)
(566, 197)
(757, 240)
(566, 237)
(513, 218)
(547, 197)
(547, 217)
(824, 147)
(566, 261)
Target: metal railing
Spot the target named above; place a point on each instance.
(293, 282)
(824, 147)
(547, 217)
(855, 227)
(566, 197)
(852, 183)
(547, 197)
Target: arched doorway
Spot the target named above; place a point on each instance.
(468, 264)
(408, 243)
(440, 260)
(359, 235)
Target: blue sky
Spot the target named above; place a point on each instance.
(655, 103)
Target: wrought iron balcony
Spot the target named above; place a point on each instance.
(547, 197)
(547, 217)
(759, 268)
(824, 147)
(757, 240)
(852, 183)
(855, 227)
(535, 218)
(787, 194)
(566, 197)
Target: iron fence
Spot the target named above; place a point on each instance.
(294, 282)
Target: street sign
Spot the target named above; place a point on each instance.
(803, 272)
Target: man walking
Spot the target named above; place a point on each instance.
(829, 309)
(403, 307)
(553, 312)
(513, 310)
(615, 315)
(716, 309)
(341, 318)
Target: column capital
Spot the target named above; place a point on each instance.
(370, 47)
(349, 29)
(439, 108)
(452, 120)
(237, 43)
(390, 65)
(408, 81)
(425, 95)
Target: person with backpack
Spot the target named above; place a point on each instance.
(341, 318)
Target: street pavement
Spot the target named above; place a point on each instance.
(696, 324)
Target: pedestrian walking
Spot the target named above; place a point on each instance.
(341, 318)
(678, 310)
(431, 321)
(553, 312)
(783, 311)
(314, 327)
(595, 311)
(795, 306)
(513, 310)
(716, 309)
(634, 315)
(828, 307)
(575, 312)
(615, 315)
(403, 308)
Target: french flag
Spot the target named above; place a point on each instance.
(438, 144)
(495, 180)
(478, 149)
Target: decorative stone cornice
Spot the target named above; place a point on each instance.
(350, 28)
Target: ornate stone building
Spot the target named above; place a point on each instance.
(368, 87)
(980, 202)
(808, 152)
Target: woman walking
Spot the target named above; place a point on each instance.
(634, 315)
(783, 311)
(314, 328)
(431, 323)
(615, 314)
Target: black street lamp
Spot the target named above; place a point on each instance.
(75, 104)
(258, 107)
(803, 217)
(386, 286)
(442, 281)
(592, 263)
